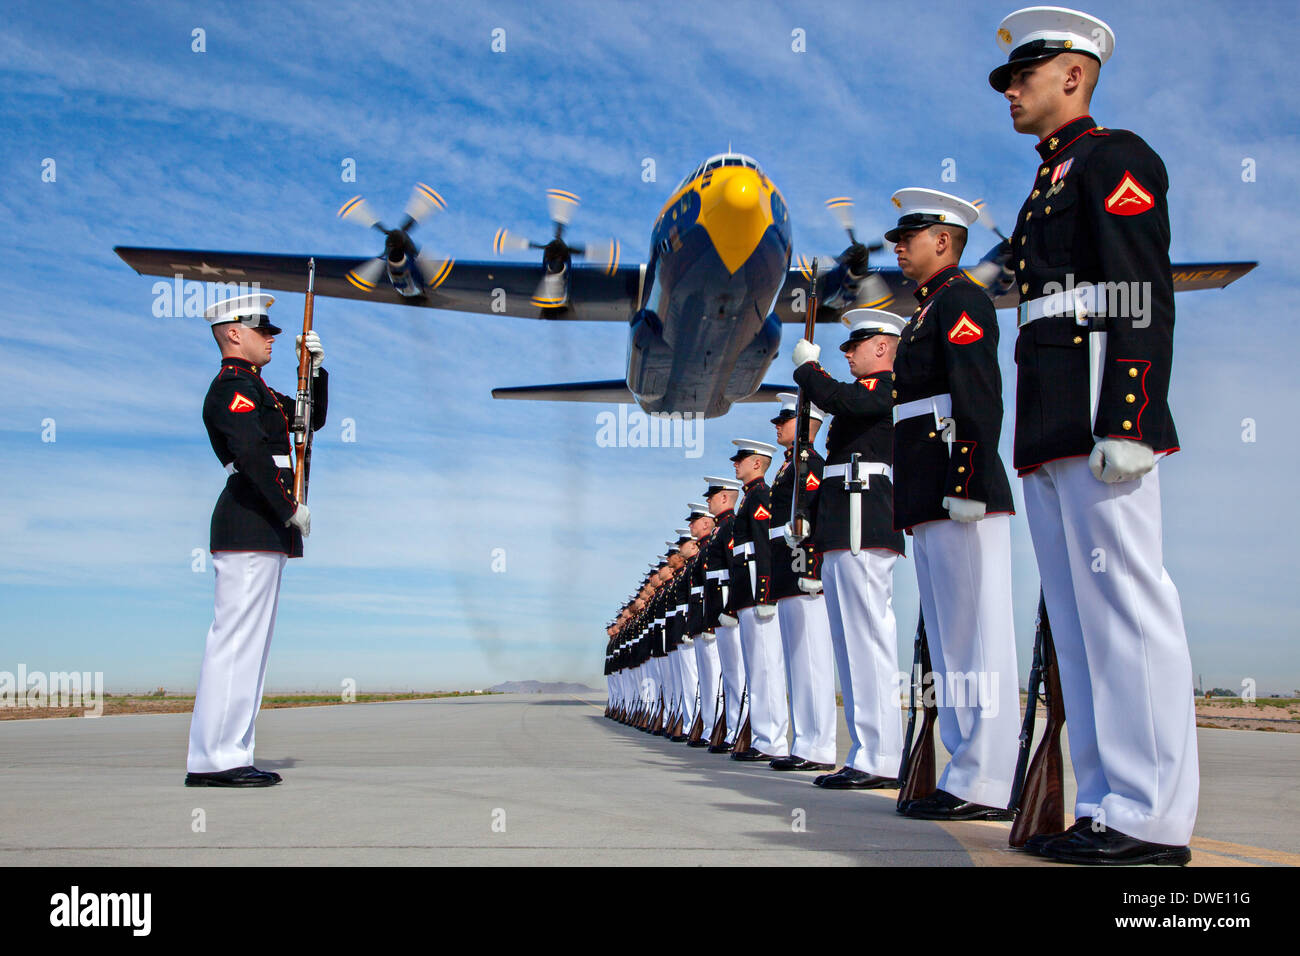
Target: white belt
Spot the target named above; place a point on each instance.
(716, 575)
(745, 547)
(865, 468)
(681, 609)
(281, 461)
(1078, 301)
(938, 405)
(696, 591)
(773, 533)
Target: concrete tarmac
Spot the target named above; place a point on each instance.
(523, 779)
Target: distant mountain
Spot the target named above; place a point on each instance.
(540, 687)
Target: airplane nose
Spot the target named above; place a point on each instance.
(736, 215)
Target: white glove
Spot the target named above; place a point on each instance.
(300, 519)
(964, 510)
(1120, 459)
(726, 620)
(787, 532)
(810, 585)
(765, 612)
(805, 351)
(314, 347)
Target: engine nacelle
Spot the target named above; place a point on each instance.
(403, 278)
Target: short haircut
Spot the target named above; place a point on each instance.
(958, 234)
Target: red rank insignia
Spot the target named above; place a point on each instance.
(1129, 197)
(812, 484)
(241, 404)
(965, 331)
(870, 383)
(761, 513)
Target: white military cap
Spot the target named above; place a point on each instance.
(790, 408)
(251, 310)
(864, 323)
(698, 510)
(747, 446)
(721, 484)
(1039, 33)
(920, 208)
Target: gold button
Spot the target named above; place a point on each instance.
(1130, 398)
(1024, 287)
(1034, 194)
(1022, 240)
(964, 449)
(1022, 263)
(961, 469)
(958, 488)
(1029, 215)
(1127, 426)
(1047, 211)
(894, 393)
(931, 434)
(1132, 373)
(1078, 339)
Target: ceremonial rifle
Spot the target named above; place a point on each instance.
(303, 409)
(719, 734)
(916, 778)
(1038, 797)
(800, 519)
(744, 739)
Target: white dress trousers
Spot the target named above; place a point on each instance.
(688, 683)
(710, 668)
(810, 674)
(229, 692)
(769, 722)
(859, 603)
(1117, 624)
(964, 575)
(733, 674)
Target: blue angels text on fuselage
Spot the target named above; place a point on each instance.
(705, 311)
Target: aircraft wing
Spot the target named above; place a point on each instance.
(496, 288)
(611, 392)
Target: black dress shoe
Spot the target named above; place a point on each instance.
(942, 805)
(1034, 844)
(752, 755)
(849, 779)
(720, 749)
(237, 777)
(1111, 848)
(677, 738)
(798, 763)
(702, 742)
(270, 773)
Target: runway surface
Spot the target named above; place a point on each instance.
(523, 779)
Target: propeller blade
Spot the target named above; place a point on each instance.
(605, 253)
(874, 292)
(824, 265)
(552, 291)
(365, 277)
(841, 208)
(423, 203)
(506, 241)
(433, 269)
(561, 205)
(986, 218)
(358, 210)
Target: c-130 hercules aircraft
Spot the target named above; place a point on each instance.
(704, 313)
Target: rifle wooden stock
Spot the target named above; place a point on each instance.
(697, 729)
(917, 778)
(1040, 803)
(719, 735)
(303, 404)
(800, 518)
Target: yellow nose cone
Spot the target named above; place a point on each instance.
(735, 211)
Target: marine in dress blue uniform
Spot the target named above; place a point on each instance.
(256, 526)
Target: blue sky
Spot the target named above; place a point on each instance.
(240, 147)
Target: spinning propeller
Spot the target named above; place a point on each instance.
(850, 281)
(410, 270)
(553, 289)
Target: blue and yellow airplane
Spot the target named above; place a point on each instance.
(705, 312)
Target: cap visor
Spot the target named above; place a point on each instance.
(1000, 78)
